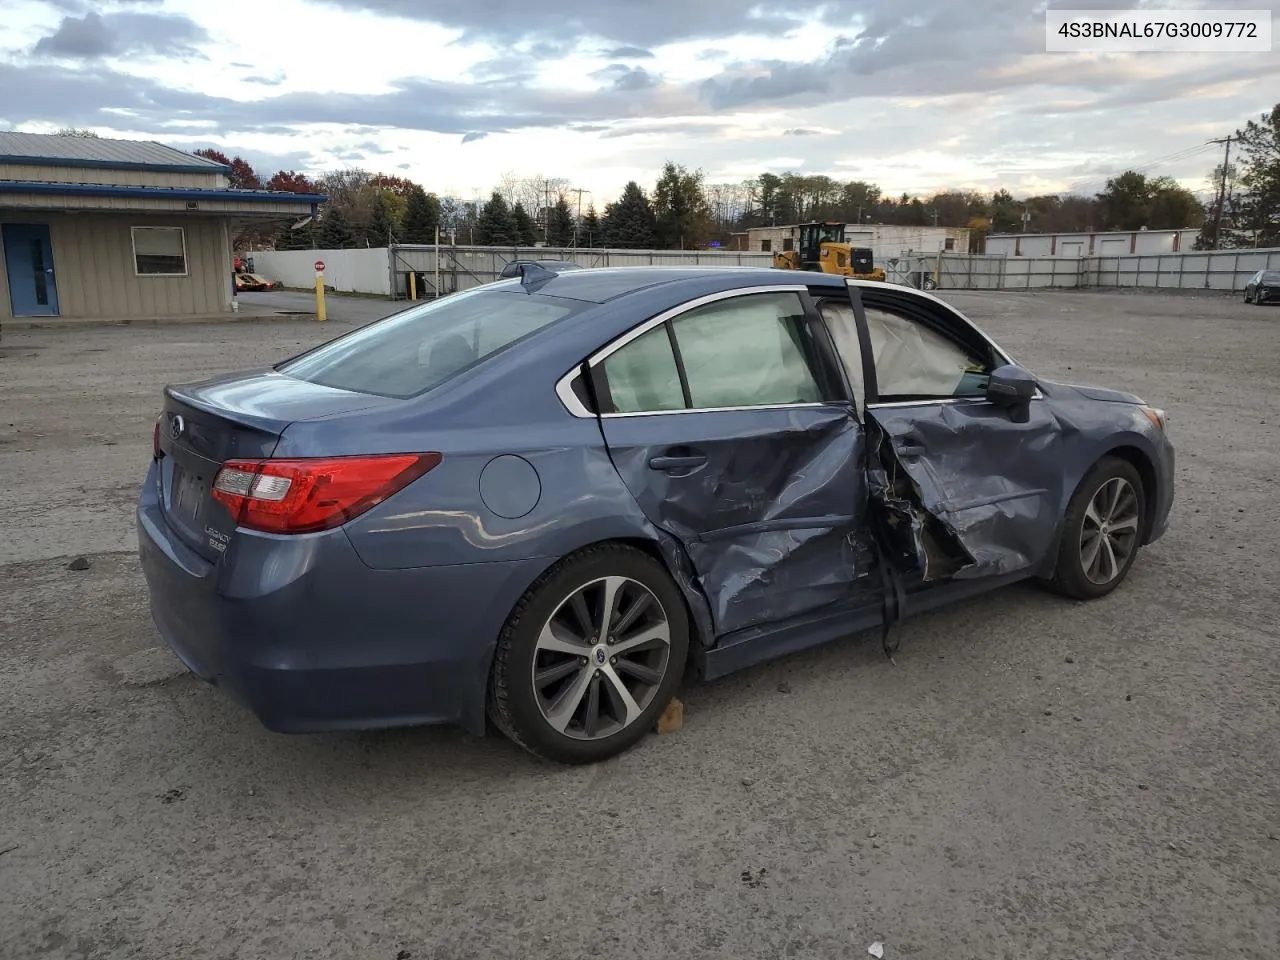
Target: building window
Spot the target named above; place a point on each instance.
(159, 252)
(951, 243)
(766, 246)
(788, 244)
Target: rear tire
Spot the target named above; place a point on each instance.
(572, 685)
(1102, 532)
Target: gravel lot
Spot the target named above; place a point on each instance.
(1036, 778)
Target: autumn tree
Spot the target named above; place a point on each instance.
(290, 181)
(81, 132)
(241, 175)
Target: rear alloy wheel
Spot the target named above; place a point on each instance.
(1260, 297)
(590, 657)
(1103, 531)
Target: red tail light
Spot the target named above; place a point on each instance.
(302, 496)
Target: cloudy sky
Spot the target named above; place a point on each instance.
(914, 95)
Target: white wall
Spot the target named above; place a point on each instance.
(347, 271)
(366, 271)
(1079, 244)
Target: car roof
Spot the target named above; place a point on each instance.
(602, 284)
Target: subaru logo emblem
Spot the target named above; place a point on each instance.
(600, 656)
(176, 426)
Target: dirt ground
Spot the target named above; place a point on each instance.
(1035, 778)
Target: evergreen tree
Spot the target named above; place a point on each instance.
(560, 225)
(380, 229)
(335, 231)
(589, 234)
(629, 223)
(421, 217)
(680, 208)
(304, 238)
(496, 228)
(526, 229)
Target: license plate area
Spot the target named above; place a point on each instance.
(188, 496)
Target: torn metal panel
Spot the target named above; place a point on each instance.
(993, 483)
(769, 504)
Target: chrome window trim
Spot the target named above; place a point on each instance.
(564, 390)
(761, 406)
(564, 386)
(924, 403)
(923, 295)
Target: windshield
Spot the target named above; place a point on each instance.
(422, 347)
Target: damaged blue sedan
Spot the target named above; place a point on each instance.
(548, 500)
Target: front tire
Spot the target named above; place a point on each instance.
(590, 657)
(1102, 532)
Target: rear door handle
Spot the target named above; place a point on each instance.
(677, 463)
(909, 449)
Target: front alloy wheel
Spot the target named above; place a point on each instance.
(591, 655)
(1109, 534)
(1102, 531)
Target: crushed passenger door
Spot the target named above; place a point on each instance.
(965, 487)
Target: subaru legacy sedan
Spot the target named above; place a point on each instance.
(550, 500)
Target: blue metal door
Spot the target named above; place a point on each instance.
(28, 260)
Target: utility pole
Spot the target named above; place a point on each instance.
(579, 191)
(1222, 192)
(1026, 218)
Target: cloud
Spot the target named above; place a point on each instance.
(95, 36)
(637, 25)
(629, 53)
(473, 137)
(635, 79)
(804, 132)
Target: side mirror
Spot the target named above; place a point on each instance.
(1011, 386)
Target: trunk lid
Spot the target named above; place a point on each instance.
(238, 417)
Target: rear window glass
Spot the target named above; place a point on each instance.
(423, 347)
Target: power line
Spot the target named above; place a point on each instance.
(1185, 154)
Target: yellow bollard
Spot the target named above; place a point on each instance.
(320, 315)
(413, 285)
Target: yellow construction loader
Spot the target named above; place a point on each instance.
(823, 249)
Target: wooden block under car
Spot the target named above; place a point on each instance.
(672, 718)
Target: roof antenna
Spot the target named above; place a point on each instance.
(533, 276)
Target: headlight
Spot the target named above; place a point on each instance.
(1159, 419)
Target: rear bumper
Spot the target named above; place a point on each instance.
(311, 639)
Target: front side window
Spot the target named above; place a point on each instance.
(422, 347)
(159, 252)
(912, 360)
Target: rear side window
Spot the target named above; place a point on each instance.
(422, 347)
(747, 351)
